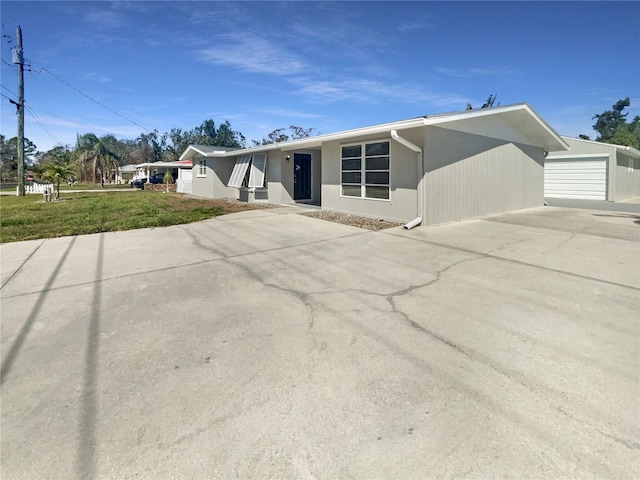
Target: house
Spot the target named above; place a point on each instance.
(593, 170)
(126, 174)
(147, 170)
(429, 170)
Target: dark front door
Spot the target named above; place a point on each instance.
(301, 176)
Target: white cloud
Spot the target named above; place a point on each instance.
(477, 71)
(251, 53)
(96, 77)
(281, 112)
(104, 18)
(375, 92)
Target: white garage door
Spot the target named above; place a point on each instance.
(184, 183)
(576, 178)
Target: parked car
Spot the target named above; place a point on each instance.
(139, 183)
(159, 178)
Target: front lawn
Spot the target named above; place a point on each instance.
(28, 217)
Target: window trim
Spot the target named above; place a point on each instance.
(202, 168)
(258, 174)
(363, 170)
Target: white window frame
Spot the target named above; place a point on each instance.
(202, 168)
(239, 173)
(258, 170)
(363, 170)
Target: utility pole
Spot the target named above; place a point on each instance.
(18, 59)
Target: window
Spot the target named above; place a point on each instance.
(249, 171)
(258, 166)
(365, 170)
(202, 168)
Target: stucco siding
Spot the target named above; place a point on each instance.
(214, 184)
(469, 175)
(403, 178)
(274, 177)
(626, 180)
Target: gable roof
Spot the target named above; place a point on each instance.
(205, 151)
(531, 128)
(631, 151)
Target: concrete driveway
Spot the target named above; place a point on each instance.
(267, 344)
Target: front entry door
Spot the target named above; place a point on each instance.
(301, 176)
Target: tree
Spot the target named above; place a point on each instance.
(612, 126)
(279, 135)
(168, 178)
(9, 157)
(55, 172)
(95, 155)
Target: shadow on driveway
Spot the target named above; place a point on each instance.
(7, 362)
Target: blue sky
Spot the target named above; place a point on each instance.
(330, 66)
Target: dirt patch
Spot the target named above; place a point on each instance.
(353, 220)
(228, 205)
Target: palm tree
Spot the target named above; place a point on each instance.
(55, 172)
(96, 154)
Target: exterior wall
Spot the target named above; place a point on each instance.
(621, 184)
(214, 184)
(626, 182)
(274, 177)
(286, 175)
(403, 203)
(468, 175)
(588, 147)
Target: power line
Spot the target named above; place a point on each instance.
(8, 90)
(49, 132)
(92, 99)
(6, 35)
(92, 127)
(9, 64)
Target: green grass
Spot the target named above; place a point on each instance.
(28, 217)
(77, 186)
(93, 186)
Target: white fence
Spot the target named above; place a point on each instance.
(36, 188)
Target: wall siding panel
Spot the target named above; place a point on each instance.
(627, 183)
(469, 175)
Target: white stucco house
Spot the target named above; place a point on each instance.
(431, 169)
(592, 170)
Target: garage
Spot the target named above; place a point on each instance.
(592, 171)
(581, 177)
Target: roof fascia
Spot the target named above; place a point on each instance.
(631, 151)
(357, 132)
(497, 111)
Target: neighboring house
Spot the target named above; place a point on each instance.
(146, 170)
(593, 170)
(125, 173)
(432, 169)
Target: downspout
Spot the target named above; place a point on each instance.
(403, 141)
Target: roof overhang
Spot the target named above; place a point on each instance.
(518, 123)
(631, 151)
(194, 151)
(178, 164)
(312, 142)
